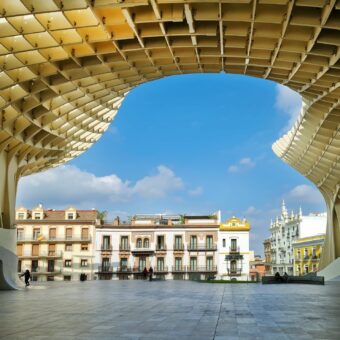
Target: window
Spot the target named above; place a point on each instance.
(209, 242)
(34, 266)
(223, 243)
(124, 243)
(146, 243)
(160, 263)
(85, 234)
(178, 242)
(37, 216)
(315, 267)
(85, 247)
(68, 264)
(142, 263)
(210, 262)
(298, 254)
(21, 216)
(106, 242)
(123, 263)
(35, 250)
(67, 277)
(178, 263)
(19, 249)
(20, 234)
(36, 233)
(193, 242)
(233, 266)
(306, 269)
(50, 266)
(68, 233)
(83, 263)
(306, 253)
(139, 243)
(19, 266)
(52, 233)
(70, 216)
(314, 252)
(51, 250)
(68, 247)
(193, 263)
(299, 270)
(160, 242)
(105, 264)
(233, 244)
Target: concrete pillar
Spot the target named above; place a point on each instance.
(8, 188)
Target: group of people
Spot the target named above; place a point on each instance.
(147, 272)
(279, 278)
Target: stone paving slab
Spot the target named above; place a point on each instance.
(181, 310)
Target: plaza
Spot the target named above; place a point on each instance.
(170, 310)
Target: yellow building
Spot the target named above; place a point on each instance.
(307, 253)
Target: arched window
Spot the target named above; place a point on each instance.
(139, 243)
(146, 243)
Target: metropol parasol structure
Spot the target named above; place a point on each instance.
(66, 67)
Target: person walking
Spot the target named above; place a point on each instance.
(145, 273)
(150, 273)
(27, 276)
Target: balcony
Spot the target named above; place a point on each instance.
(179, 269)
(142, 251)
(52, 239)
(124, 247)
(45, 271)
(234, 272)
(234, 250)
(106, 247)
(137, 270)
(105, 270)
(209, 269)
(160, 247)
(124, 270)
(178, 247)
(161, 269)
(202, 247)
(43, 254)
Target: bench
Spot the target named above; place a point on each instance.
(314, 280)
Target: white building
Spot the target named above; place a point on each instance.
(287, 229)
(233, 249)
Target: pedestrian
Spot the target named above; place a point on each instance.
(145, 273)
(150, 273)
(27, 276)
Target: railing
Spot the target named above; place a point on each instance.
(43, 238)
(234, 272)
(178, 247)
(142, 250)
(41, 270)
(124, 247)
(137, 270)
(106, 247)
(50, 253)
(234, 249)
(178, 269)
(105, 269)
(161, 269)
(202, 247)
(208, 269)
(160, 247)
(124, 270)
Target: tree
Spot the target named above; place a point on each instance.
(101, 215)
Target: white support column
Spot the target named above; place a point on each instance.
(8, 187)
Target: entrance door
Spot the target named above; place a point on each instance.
(142, 263)
(50, 266)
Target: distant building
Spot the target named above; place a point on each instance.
(233, 249)
(257, 268)
(56, 244)
(267, 256)
(307, 252)
(176, 247)
(286, 230)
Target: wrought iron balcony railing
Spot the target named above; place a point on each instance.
(202, 247)
(124, 247)
(106, 247)
(105, 269)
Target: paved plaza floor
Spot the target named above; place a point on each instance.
(170, 310)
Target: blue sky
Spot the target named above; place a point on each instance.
(187, 144)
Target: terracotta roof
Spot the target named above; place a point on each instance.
(52, 215)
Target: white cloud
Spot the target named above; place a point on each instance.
(305, 194)
(289, 102)
(243, 164)
(69, 185)
(196, 191)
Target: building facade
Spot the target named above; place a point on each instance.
(307, 252)
(233, 249)
(267, 256)
(176, 247)
(287, 229)
(257, 268)
(56, 244)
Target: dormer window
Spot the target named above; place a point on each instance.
(21, 216)
(71, 216)
(37, 216)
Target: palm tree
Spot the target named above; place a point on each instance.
(101, 215)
